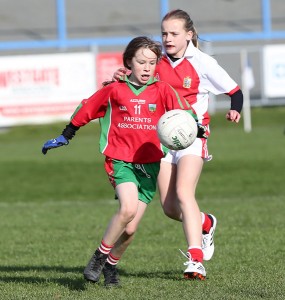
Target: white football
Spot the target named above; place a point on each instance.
(177, 129)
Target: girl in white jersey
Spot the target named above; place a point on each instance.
(194, 75)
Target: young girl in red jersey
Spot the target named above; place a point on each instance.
(194, 75)
(128, 111)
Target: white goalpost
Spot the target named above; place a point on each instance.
(247, 80)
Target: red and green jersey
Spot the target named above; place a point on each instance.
(128, 118)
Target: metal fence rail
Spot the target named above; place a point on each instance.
(63, 42)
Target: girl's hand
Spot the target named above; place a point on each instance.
(54, 143)
(120, 72)
(233, 116)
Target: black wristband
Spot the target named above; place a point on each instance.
(69, 131)
(237, 101)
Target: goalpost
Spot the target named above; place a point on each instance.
(247, 80)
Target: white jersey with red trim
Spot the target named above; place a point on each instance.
(194, 76)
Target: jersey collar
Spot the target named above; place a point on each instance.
(190, 50)
(126, 79)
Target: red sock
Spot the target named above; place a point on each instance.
(112, 260)
(104, 248)
(207, 224)
(196, 254)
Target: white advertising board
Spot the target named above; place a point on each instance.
(44, 88)
(274, 71)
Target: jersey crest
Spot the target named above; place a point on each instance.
(152, 107)
(187, 82)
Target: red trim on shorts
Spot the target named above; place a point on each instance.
(205, 152)
(109, 168)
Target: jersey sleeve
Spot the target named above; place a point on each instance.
(92, 108)
(215, 79)
(173, 100)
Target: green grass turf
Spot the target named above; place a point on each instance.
(54, 210)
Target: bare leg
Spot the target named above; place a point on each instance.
(186, 188)
(129, 203)
(128, 235)
(120, 232)
(167, 190)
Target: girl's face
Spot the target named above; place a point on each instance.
(142, 66)
(174, 37)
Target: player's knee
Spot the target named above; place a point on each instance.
(167, 211)
(170, 212)
(130, 231)
(127, 214)
(185, 195)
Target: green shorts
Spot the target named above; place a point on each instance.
(144, 176)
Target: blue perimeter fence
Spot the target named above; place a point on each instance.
(63, 42)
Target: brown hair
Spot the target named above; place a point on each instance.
(188, 23)
(133, 46)
(141, 42)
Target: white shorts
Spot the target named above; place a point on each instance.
(199, 148)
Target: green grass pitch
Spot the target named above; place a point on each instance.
(54, 210)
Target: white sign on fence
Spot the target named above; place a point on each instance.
(44, 88)
(274, 71)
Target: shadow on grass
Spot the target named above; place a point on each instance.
(78, 284)
(170, 275)
(41, 268)
(71, 283)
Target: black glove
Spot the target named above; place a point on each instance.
(202, 131)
